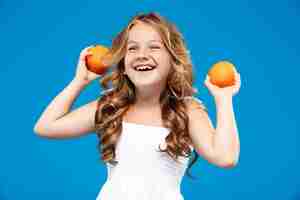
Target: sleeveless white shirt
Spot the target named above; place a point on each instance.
(142, 172)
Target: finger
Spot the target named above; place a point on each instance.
(238, 77)
(209, 84)
(84, 54)
(88, 47)
(236, 74)
(206, 81)
(83, 51)
(235, 70)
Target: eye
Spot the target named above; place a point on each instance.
(132, 48)
(155, 47)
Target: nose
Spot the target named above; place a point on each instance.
(142, 54)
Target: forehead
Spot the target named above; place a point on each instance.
(141, 32)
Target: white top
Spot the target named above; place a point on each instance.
(142, 172)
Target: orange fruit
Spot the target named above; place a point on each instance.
(222, 74)
(94, 62)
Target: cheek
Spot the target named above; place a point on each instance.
(164, 60)
(127, 61)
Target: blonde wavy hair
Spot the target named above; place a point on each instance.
(119, 92)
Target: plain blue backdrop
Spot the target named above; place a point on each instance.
(40, 44)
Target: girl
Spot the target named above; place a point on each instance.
(148, 121)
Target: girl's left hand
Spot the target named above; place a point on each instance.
(228, 91)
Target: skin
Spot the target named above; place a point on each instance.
(220, 146)
(145, 46)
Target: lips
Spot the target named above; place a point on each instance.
(144, 67)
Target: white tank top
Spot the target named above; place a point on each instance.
(142, 172)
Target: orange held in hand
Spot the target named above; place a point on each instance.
(222, 74)
(94, 61)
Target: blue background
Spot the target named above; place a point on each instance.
(40, 44)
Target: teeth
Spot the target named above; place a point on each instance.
(143, 67)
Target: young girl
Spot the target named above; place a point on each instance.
(147, 121)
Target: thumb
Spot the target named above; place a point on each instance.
(207, 81)
(208, 84)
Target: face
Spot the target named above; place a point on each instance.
(145, 48)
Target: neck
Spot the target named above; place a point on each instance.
(148, 97)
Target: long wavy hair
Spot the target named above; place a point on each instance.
(119, 92)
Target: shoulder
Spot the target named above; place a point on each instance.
(194, 103)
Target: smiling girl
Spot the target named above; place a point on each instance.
(148, 121)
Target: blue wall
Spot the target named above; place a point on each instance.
(40, 43)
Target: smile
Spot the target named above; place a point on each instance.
(144, 67)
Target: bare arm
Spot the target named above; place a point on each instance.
(218, 146)
(226, 140)
(57, 122)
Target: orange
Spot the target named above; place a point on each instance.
(222, 74)
(94, 61)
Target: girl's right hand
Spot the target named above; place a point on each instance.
(82, 73)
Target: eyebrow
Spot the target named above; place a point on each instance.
(132, 41)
